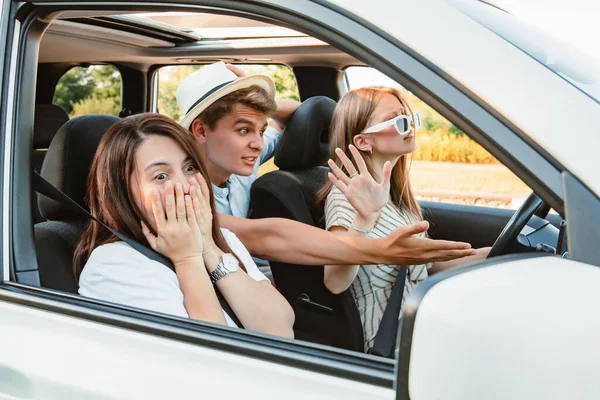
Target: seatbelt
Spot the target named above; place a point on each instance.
(385, 339)
(44, 187)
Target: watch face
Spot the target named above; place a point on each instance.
(230, 262)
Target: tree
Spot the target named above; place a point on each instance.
(98, 85)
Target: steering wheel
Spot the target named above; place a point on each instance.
(514, 226)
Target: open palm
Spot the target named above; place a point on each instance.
(364, 193)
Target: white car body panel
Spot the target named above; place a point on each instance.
(56, 357)
(560, 118)
(525, 329)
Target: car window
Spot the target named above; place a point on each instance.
(448, 166)
(89, 90)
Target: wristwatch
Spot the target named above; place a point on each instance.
(227, 265)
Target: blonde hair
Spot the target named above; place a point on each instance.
(352, 116)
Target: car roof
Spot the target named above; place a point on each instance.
(146, 39)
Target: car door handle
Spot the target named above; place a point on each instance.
(305, 299)
(15, 385)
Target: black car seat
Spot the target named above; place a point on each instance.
(48, 120)
(321, 316)
(66, 166)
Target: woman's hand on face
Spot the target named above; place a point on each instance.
(201, 201)
(178, 235)
(364, 193)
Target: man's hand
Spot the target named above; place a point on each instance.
(402, 247)
(236, 70)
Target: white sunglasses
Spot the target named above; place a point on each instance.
(401, 122)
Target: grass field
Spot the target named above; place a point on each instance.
(491, 185)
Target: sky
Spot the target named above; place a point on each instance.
(575, 21)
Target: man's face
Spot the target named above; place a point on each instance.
(235, 143)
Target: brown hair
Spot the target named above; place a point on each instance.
(110, 186)
(352, 116)
(253, 96)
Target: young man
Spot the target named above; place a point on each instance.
(227, 114)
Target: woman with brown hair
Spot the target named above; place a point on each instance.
(376, 126)
(148, 183)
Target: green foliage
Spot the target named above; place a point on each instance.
(92, 105)
(96, 86)
(283, 77)
(169, 79)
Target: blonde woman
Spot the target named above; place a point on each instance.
(376, 127)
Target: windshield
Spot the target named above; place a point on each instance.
(581, 70)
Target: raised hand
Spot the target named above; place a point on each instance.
(364, 193)
(178, 235)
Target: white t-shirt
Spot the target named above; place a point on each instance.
(117, 273)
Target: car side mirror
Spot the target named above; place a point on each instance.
(514, 327)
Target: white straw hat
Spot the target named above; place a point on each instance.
(205, 86)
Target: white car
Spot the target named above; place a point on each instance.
(519, 326)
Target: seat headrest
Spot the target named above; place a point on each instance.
(48, 120)
(305, 141)
(69, 159)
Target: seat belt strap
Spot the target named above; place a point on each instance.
(385, 339)
(44, 187)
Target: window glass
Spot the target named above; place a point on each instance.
(92, 90)
(448, 166)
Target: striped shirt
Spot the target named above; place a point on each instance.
(373, 284)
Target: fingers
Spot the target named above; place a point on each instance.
(203, 186)
(149, 236)
(157, 210)
(201, 192)
(448, 255)
(338, 172)
(235, 70)
(346, 161)
(170, 202)
(197, 207)
(191, 215)
(414, 229)
(387, 173)
(180, 203)
(337, 183)
(359, 160)
(448, 245)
